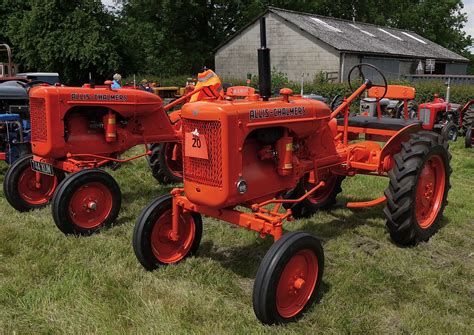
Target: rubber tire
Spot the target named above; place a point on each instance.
(143, 229)
(448, 127)
(62, 197)
(468, 119)
(468, 139)
(270, 269)
(158, 166)
(401, 192)
(306, 208)
(10, 184)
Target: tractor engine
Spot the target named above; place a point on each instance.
(100, 121)
(246, 151)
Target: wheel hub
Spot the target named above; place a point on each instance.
(430, 191)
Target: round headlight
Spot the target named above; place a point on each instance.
(242, 186)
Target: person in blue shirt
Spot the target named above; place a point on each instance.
(117, 81)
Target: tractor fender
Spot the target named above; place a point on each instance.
(394, 145)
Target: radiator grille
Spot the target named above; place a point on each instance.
(205, 171)
(38, 120)
(425, 114)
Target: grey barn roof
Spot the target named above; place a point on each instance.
(363, 38)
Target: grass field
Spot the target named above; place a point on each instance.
(50, 283)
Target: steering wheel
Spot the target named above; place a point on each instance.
(370, 84)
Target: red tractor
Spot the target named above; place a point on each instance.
(78, 130)
(285, 158)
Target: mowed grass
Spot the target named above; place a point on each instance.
(50, 283)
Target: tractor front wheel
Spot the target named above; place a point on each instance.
(26, 189)
(450, 131)
(289, 278)
(86, 202)
(166, 163)
(418, 189)
(152, 237)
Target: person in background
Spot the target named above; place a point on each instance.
(117, 81)
(145, 85)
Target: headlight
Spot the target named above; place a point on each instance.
(242, 186)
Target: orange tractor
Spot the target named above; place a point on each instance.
(79, 130)
(285, 158)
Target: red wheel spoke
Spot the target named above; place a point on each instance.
(430, 191)
(90, 205)
(164, 248)
(297, 283)
(33, 192)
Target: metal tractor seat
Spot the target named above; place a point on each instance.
(373, 122)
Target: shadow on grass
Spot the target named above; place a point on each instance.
(245, 260)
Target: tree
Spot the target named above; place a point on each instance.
(70, 37)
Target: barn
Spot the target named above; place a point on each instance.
(305, 45)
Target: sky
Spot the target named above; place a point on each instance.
(468, 8)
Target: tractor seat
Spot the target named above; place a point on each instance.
(384, 123)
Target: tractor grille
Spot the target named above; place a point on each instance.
(38, 120)
(425, 114)
(205, 171)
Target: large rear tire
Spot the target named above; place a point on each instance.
(166, 163)
(86, 202)
(289, 278)
(418, 188)
(152, 243)
(21, 189)
(468, 119)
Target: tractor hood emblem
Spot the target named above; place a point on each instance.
(195, 133)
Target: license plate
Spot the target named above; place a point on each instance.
(195, 145)
(43, 168)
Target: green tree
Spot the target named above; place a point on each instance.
(70, 37)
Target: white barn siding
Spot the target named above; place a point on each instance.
(293, 52)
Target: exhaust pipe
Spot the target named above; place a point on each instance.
(264, 67)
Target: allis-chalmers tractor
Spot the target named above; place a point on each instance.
(78, 130)
(285, 158)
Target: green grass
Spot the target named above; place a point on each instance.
(50, 283)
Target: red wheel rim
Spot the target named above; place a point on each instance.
(297, 283)
(36, 193)
(164, 248)
(323, 193)
(430, 191)
(90, 205)
(173, 159)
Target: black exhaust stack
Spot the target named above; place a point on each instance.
(264, 67)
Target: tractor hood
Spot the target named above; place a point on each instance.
(13, 90)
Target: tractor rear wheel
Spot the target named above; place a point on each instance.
(289, 278)
(152, 241)
(323, 199)
(450, 131)
(166, 162)
(26, 189)
(418, 188)
(468, 119)
(86, 202)
(469, 140)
